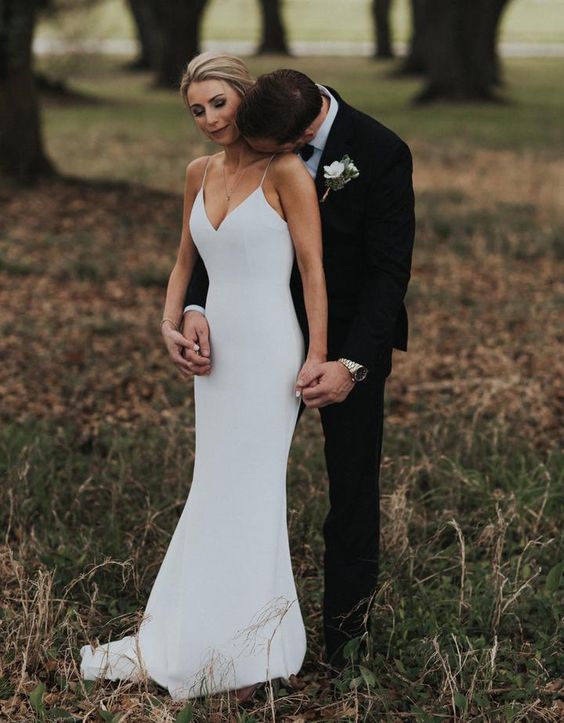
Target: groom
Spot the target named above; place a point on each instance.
(368, 228)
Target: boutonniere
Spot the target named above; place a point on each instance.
(338, 174)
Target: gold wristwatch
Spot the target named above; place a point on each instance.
(358, 372)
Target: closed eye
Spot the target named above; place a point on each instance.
(198, 110)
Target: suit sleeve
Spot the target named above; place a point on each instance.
(388, 243)
(197, 290)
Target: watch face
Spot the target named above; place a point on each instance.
(360, 374)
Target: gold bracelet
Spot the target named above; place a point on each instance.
(171, 321)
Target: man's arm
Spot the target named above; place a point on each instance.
(389, 232)
(197, 290)
(195, 326)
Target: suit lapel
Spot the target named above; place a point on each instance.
(339, 140)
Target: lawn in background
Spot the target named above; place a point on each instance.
(536, 21)
(128, 132)
(97, 436)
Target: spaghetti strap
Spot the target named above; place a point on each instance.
(266, 169)
(205, 172)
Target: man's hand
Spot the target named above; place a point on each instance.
(333, 384)
(196, 353)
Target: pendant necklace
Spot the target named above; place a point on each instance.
(238, 177)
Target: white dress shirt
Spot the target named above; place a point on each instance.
(320, 139)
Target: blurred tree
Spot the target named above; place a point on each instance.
(460, 49)
(273, 30)
(144, 14)
(382, 29)
(22, 156)
(414, 62)
(180, 22)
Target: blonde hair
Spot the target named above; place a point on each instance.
(216, 66)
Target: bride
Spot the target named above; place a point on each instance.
(223, 612)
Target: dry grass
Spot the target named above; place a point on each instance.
(98, 450)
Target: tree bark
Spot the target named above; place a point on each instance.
(382, 30)
(273, 31)
(180, 22)
(148, 33)
(460, 49)
(22, 157)
(498, 7)
(414, 63)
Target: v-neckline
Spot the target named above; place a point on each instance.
(224, 219)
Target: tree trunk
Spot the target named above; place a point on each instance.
(180, 22)
(414, 63)
(460, 49)
(273, 31)
(21, 148)
(382, 30)
(148, 34)
(498, 7)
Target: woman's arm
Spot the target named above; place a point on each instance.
(181, 273)
(187, 253)
(298, 198)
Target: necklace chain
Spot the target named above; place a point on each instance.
(238, 177)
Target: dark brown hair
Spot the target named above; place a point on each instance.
(280, 106)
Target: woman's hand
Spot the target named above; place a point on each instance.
(196, 331)
(309, 374)
(175, 343)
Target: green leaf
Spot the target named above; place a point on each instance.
(423, 716)
(368, 676)
(88, 685)
(6, 688)
(36, 698)
(155, 702)
(186, 715)
(554, 577)
(108, 717)
(355, 682)
(351, 648)
(400, 666)
(460, 701)
(60, 714)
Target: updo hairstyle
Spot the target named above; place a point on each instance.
(216, 66)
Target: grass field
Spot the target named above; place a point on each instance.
(96, 442)
(345, 20)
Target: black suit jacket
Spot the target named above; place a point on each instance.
(368, 229)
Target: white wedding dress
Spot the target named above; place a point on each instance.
(223, 612)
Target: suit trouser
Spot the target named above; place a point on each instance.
(353, 444)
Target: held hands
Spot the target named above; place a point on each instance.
(196, 333)
(322, 383)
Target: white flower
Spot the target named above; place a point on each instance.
(338, 174)
(334, 170)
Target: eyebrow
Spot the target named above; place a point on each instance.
(209, 101)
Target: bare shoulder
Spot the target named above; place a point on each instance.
(195, 169)
(287, 163)
(286, 166)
